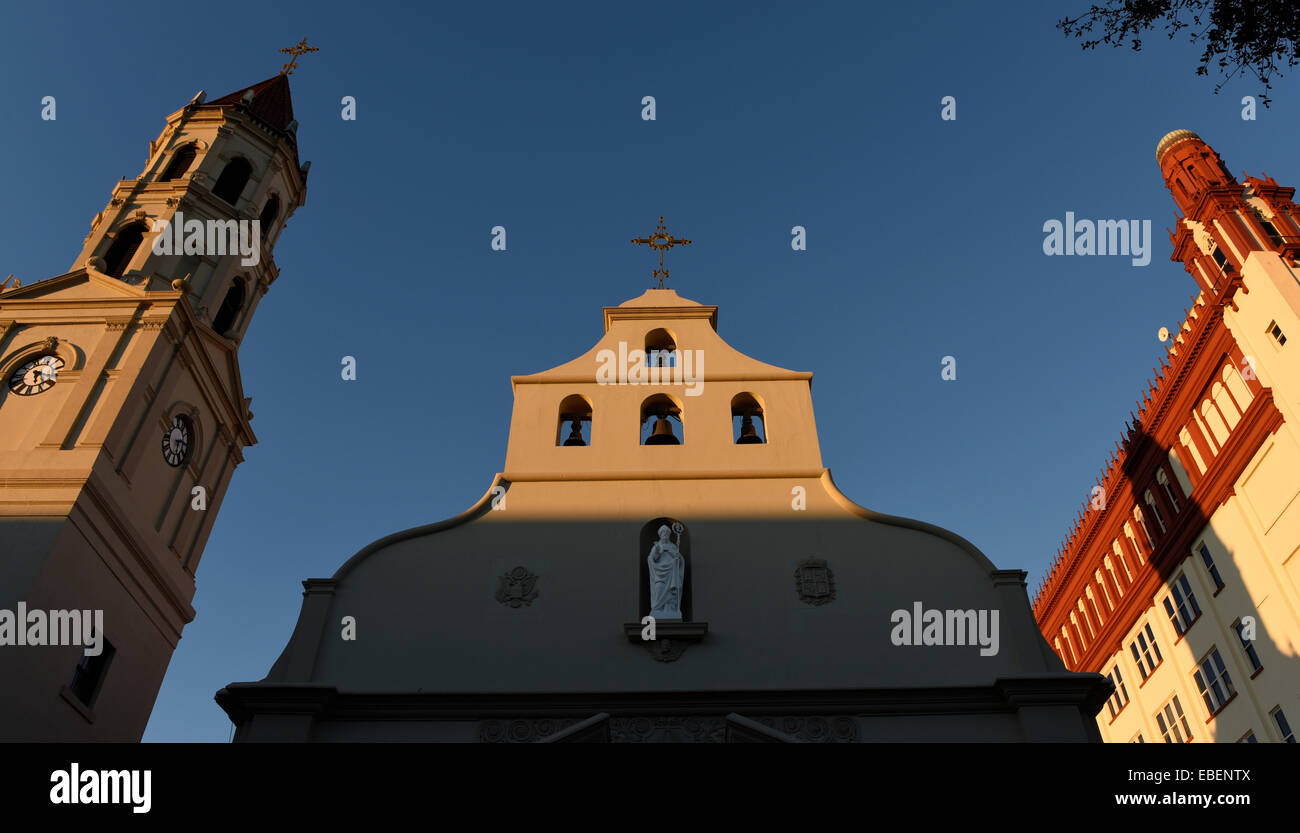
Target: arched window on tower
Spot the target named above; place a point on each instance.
(1096, 608)
(125, 244)
(1105, 590)
(1237, 386)
(574, 424)
(661, 421)
(232, 180)
(1163, 480)
(747, 424)
(1146, 531)
(660, 349)
(1150, 500)
(270, 212)
(180, 163)
(230, 307)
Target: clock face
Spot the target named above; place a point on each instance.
(176, 441)
(37, 376)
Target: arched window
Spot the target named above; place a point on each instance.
(232, 180)
(1146, 531)
(269, 212)
(1078, 631)
(1133, 542)
(1110, 568)
(575, 413)
(747, 423)
(1105, 591)
(1096, 608)
(1185, 437)
(1163, 480)
(1237, 386)
(1211, 416)
(661, 421)
(660, 349)
(1226, 406)
(119, 255)
(1083, 611)
(180, 163)
(230, 307)
(1069, 643)
(1155, 510)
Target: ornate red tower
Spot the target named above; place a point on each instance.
(1167, 579)
(1223, 221)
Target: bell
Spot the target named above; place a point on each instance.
(748, 435)
(575, 436)
(663, 433)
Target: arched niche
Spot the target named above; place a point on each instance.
(650, 534)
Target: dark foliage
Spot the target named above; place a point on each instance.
(1255, 36)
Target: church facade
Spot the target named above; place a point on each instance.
(123, 418)
(1180, 580)
(665, 558)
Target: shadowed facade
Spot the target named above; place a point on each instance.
(523, 619)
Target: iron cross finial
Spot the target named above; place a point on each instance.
(301, 48)
(661, 241)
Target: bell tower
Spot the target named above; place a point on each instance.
(123, 416)
(1241, 243)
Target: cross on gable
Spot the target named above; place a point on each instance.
(661, 241)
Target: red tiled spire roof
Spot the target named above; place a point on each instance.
(271, 101)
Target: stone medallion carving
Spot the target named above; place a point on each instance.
(521, 731)
(814, 581)
(702, 729)
(517, 588)
(815, 729)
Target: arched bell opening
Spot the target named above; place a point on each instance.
(660, 349)
(661, 421)
(232, 180)
(180, 163)
(230, 307)
(747, 423)
(573, 425)
(122, 251)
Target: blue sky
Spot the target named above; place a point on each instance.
(924, 240)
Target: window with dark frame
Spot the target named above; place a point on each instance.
(1248, 645)
(1209, 565)
(88, 678)
(1213, 680)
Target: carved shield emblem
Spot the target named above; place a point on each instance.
(516, 588)
(814, 581)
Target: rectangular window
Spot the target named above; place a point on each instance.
(1282, 726)
(1248, 645)
(1209, 565)
(1138, 738)
(1248, 738)
(88, 678)
(1145, 652)
(1213, 680)
(1119, 699)
(1276, 332)
(1219, 257)
(1181, 605)
(1173, 723)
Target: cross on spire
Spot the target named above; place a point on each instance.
(661, 241)
(301, 48)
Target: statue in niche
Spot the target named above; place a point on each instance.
(667, 569)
